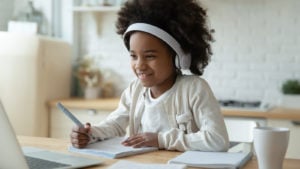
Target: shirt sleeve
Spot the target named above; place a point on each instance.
(116, 123)
(208, 128)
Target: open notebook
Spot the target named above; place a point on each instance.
(111, 148)
(12, 155)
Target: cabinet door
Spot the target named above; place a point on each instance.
(240, 129)
(61, 125)
(293, 150)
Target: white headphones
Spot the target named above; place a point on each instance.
(182, 61)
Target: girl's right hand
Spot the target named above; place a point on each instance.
(80, 136)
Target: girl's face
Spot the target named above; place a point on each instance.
(151, 61)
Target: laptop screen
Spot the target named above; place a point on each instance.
(11, 150)
(9, 146)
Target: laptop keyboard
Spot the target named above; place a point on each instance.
(36, 163)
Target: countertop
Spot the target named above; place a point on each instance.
(109, 104)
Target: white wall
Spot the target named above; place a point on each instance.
(9, 9)
(257, 47)
(42, 5)
(98, 39)
(6, 13)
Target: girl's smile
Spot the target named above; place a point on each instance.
(152, 62)
(143, 76)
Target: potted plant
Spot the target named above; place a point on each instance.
(89, 77)
(291, 94)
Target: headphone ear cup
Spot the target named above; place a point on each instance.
(177, 62)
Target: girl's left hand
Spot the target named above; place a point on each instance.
(142, 140)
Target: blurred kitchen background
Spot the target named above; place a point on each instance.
(257, 42)
(256, 50)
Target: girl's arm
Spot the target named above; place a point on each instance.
(202, 126)
(116, 123)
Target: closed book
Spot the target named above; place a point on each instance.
(234, 160)
(111, 148)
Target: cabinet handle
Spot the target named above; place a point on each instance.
(296, 123)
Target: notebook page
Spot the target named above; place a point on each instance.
(111, 148)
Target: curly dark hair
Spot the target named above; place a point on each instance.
(185, 20)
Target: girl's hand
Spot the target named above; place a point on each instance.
(80, 136)
(142, 140)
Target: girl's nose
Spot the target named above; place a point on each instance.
(140, 63)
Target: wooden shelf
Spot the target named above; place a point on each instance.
(96, 8)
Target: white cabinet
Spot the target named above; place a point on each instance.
(33, 70)
(294, 141)
(239, 129)
(61, 126)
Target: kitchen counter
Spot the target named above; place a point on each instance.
(110, 104)
(274, 113)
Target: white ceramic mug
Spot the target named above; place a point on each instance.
(270, 144)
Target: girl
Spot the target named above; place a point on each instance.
(164, 108)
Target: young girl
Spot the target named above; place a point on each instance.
(164, 108)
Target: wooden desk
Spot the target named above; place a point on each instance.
(152, 157)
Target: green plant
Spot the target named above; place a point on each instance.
(291, 87)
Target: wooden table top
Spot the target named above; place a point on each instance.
(160, 156)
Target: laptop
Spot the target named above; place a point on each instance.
(14, 157)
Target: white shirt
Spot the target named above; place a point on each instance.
(194, 120)
(155, 118)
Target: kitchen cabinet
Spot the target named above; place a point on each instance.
(293, 150)
(61, 126)
(276, 117)
(33, 70)
(93, 111)
(240, 129)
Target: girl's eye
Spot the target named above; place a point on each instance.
(133, 57)
(150, 56)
